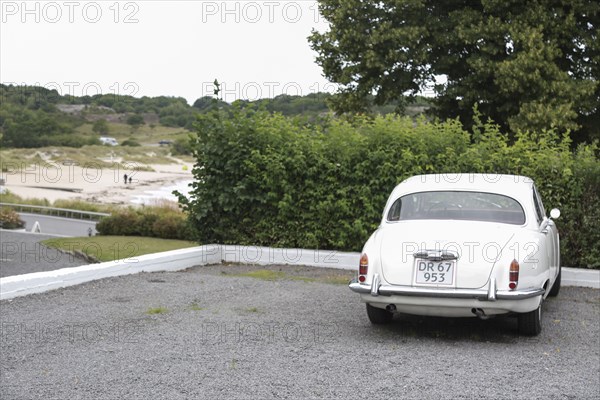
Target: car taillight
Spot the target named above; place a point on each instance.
(513, 275)
(363, 267)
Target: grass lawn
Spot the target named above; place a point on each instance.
(109, 248)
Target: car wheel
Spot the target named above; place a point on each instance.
(556, 287)
(530, 324)
(378, 315)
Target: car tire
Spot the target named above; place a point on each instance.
(530, 323)
(378, 316)
(556, 287)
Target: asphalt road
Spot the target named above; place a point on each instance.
(212, 333)
(22, 253)
(58, 226)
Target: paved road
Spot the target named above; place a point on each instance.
(213, 333)
(22, 253)
(58, 226)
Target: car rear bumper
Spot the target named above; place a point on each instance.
(490, 293)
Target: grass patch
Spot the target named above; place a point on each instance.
(157, 310)
(268, 275)
(83, 206)
(9, 197)
(336, 280)
(110, 248)
(98, 156)
(264, 274)
(252, 310)
(303, 278)
(195, 307)
(332, 279)
(143, 134)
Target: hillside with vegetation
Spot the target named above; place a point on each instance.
(33, 116)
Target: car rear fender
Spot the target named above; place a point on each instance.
(529, 252)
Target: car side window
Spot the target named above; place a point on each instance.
(394, 214)
(539, 208)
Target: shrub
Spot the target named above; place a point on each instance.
(122, 222)
(181, 146)
(135, 120)
(130, 142)
(151, 221)
(270, 180)
(9, 219)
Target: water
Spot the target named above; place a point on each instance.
(165, 193)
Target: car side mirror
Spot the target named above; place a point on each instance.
(554, 213)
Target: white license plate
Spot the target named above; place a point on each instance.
(435, 272)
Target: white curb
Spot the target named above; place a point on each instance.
(37, 282)
(581, 277)
(176, 260)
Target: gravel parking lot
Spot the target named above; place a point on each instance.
(243, 332)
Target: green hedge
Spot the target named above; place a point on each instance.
(270, 180)
(161, 222)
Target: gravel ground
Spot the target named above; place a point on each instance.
(211, 332)
(22, 253)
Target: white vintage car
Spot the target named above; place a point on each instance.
(461, 245)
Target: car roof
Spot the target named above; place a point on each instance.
(516, 186)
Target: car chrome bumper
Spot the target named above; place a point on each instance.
(488, 294)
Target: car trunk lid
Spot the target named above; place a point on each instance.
(435, 253)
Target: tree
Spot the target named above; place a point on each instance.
(528, 65)
(181, 146)
(207, 103)
(100, 126)
(135, 120)
(33, 128)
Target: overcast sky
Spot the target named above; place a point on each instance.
(256, 49)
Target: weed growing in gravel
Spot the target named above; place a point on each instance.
(252, 309)
(336, 280)
(263, 274)
(157, 310)
(268, 275)
(195, 307)
(302, 278)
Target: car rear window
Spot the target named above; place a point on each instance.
(457, 205)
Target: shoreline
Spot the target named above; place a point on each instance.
(100, 186)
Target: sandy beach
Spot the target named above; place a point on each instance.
(93, 184)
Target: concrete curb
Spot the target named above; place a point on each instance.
(38, 282)
(176, 260)
(581, 277)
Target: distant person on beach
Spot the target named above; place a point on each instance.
(130, 178)
(125, 178)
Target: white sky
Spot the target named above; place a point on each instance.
(256, 49)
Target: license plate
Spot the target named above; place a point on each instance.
(435, 272)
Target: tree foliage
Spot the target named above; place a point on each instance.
(528, 65)
(135, 120)
(100, 126)
(29, 118)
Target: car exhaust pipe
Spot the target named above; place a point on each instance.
(390, 307)
(479, 313)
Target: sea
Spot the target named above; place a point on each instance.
(151, 197)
